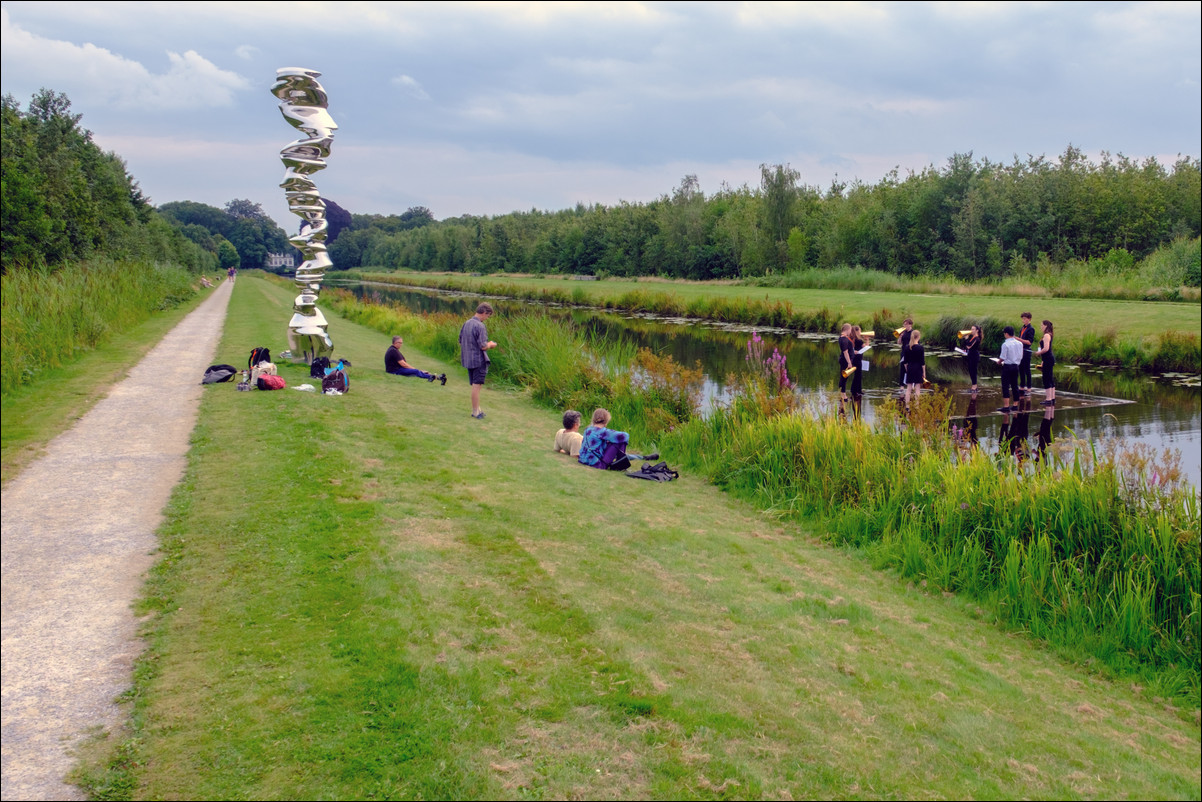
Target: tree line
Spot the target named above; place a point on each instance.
(240, 235)
(65, 199)
(972, 219)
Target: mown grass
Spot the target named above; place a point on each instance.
(1132, 334)
(49, 318)
(374, 595)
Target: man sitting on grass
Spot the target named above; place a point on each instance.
(568, 439)
(394, 363)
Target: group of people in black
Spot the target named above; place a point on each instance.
(1017, 354)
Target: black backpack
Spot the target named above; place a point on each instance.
(219, 373)
(317, 370)
(258, 355)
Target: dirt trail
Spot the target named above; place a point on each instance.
(78, 534)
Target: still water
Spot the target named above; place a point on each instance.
(1092, 404)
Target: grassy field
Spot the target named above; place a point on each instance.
(36, 413)
(1072, 316)
(375, 595)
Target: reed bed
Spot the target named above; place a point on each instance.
(48, 317)
(1098, 554)
(1170, 351)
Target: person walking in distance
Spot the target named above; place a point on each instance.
(474, 346)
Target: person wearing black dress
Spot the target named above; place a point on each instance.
(973, 348)
(1049, 363)
(916, 366)
(903, 339)
(857, 361)
(845, 359)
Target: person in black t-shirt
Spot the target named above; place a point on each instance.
(394, 363)
(1026, 335)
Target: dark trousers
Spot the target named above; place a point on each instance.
(1010, 382)
(1024, 371)
(421, 374)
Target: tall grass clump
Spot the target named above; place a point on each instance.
(1094, 551)
(49, 317)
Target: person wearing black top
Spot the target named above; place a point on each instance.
(1026, 335)
(1049, 363)
(973, 348)
(904, 339)
(394, 363)
(916, 366)
(857, 361)
(845, 361)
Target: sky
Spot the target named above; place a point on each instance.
(488, 108)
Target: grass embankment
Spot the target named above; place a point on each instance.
(1141, 335)
(375, 595)
(73, 374)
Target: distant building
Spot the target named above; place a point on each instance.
(277, 260)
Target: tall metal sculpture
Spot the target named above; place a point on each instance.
(303, 102)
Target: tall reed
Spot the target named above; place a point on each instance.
(48, 317)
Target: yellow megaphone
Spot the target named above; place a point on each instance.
(897, 332)
(849, 371)
(868, 334)
(964, 333)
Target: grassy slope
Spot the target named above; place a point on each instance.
(37, 413)
(375, 595)
(1071, 316)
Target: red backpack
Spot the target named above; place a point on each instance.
(271, 383)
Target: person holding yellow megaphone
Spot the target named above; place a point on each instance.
(916, 366)
(846, 365)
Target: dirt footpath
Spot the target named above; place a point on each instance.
(78, 534)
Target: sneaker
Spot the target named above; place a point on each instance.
(1003, 409)
(442, 377)
(653, 455)
(478, 415)
(432, 378)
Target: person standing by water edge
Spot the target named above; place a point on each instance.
(845, 359)
(1048, 366)
(1026, 336)
(972, 348)
(474, 346)
(1011, 357)
(903, 339)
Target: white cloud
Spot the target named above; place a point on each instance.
(95, 74)
(410, 87)
(246, 52)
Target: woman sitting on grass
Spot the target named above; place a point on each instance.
(605, 448)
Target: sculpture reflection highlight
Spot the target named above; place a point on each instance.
(303, 102)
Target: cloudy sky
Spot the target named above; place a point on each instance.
(486, 108)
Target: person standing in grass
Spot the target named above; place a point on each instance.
(972, 348)
(474, 346)
(1049, 363)
(1011, 358)
(569, 438)
(845, 359)
(1026, 336)
(394, 363)
(916, 367)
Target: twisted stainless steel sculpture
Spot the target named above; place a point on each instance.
(303, 102)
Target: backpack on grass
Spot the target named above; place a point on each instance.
(317, 370)
(269, 382)
(258, 355)
(215, 374)
(337, 381)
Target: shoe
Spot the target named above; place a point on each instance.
(442, 377)
(432, 378)
(651, 456)
(1003, 409)
(478, 415)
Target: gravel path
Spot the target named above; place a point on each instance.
(78, 535)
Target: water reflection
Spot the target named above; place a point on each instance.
(1092, 404)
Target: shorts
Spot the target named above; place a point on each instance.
(477, 375)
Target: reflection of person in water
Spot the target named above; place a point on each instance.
(1045, 433)
(1020, 429)
(971, 421)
